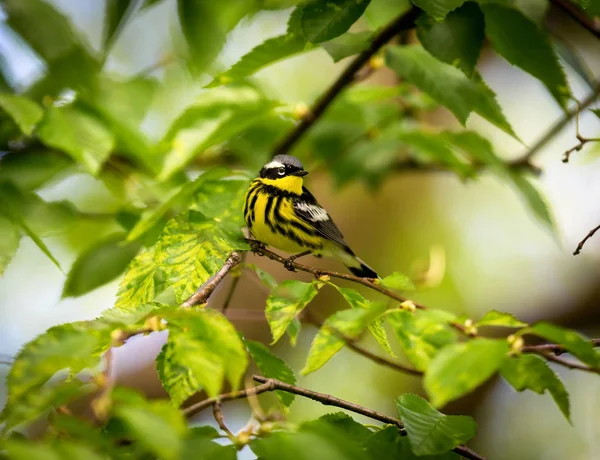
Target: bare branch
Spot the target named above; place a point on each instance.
(218, 414)
(554, 348)
(583, 241)
(233, 287)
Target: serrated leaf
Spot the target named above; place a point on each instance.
(156, 425)
(203, 351)
(388, 443)
(498, 318)
(508, 29)
(24, 112)
(286, 301)
(355, 432)
(447, 85)
(457, 40)
(533, 198)
(272, 367)
(270, 51)
(530, 372)
(379, 12)
(438, 8)
(73, 346)
(99, 265)
(142, 283)
(117, 12)
(198, 446)
(342, 325)
(575, 343)
(477, 148)
(596, 112)
(191, 249)
(325, 20)
(78, 134)
(356, 300)
(460, 368)
(30, 170)
(9, 242)
(347, 44)
(429, 431)
(398, 281)
(422, 334)
(180, 198)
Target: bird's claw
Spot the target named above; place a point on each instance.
(257, 246)
(289, 264)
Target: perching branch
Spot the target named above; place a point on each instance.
(347, 77)
(583, 241)
(554, 348)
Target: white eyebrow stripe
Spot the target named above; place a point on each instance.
(273, 165)
(315, 213)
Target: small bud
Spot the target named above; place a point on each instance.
(376, 62)
(154, 323)
(470, 328)
(324, 278)
(302, 111)
(265, 428)
(242, 439)
(408, 305)
(116, 337)
(516, 343)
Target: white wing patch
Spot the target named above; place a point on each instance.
(315, 213)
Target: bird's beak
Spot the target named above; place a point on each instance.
(300, 173)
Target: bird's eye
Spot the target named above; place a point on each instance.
(281, 171)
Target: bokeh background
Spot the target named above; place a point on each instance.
(492, 253)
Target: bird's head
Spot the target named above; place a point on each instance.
(284, 172)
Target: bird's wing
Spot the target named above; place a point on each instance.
(308, 210)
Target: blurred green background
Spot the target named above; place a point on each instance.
(484, 248)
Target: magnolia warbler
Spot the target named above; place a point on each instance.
(282, 213)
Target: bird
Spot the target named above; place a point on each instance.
(280, 212)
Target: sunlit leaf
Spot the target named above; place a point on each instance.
(99, 265)
(142, 283)
(273, 367)
(342, 325)
(530, 372)
(457, 40)
(429, 431)
(327, 19)
(422, 334)
(380, 12)
(508, 29)
(25, 112)
(286, 301)
(498, 318)
(575, 343)
(347, 44)
(447, 85)
(78, 134)
(398, 281)
(462, 367)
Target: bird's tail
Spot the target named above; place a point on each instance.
(356, 266)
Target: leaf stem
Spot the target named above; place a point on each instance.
(347, 77)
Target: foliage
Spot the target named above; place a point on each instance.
(178, 195)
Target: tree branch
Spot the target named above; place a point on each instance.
(591, 25)
(569, 364)
(554, 348)
(403, 22)
(203, 293)
(583, 241)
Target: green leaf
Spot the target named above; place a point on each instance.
(447, 85)
(339, 327)
(438, 8)
(286, 301)
(356, 300)
(347, 44)
(149, 3)
(325, 20)
(429, 431)
(198, 446)
(422, 334)
(462, 367)
(398, 281)
(79, 135)
(530, 372)
(191, 249)
(154, 424)
(142, 283)
(116, 16)
(203, 351)
(388, 443)
(28, 450)
(99, 265)
(477, 148)
(533, 198)
(30, 170)
(355, 432)
(73, 346)
(508, 29)
(180, 198)
(498, 318)
(10, 198)
(575, 343)
(270, 51)
(273, 367)
(9, 242)
(265, 277)
(25, 112)
(457, 40)
(379, 12)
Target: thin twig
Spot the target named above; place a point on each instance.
(402, 22)
(583, 241)
(553, 347)
(233, 286)
(590, 24)
(582, 141)
(218, 414)
(203, 293)
(566, 363)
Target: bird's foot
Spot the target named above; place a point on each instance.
(256, 246)
(289, 263)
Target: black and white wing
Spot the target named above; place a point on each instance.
(308, 210)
